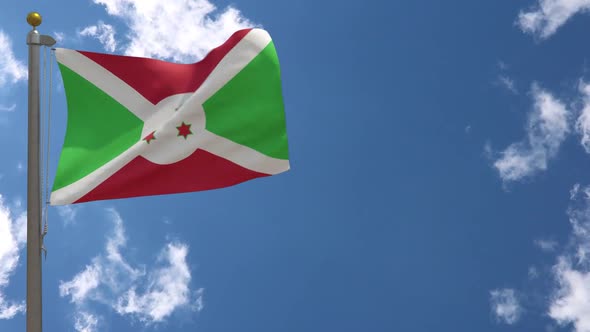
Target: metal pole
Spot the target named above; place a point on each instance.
(34, 303)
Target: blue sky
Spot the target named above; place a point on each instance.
(438, 151)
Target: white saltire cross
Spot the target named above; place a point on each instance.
(169, 113)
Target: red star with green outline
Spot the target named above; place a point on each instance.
(150, 137)
(184, 130)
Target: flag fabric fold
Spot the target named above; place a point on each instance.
(139, 127)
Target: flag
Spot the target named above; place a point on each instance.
(139, 126)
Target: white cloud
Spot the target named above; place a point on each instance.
(546, 245)
(547, 16)
(59, 37)
(508, 83)
(113, 249)
(505, 305)
(85, 322)
(579, 218)
(9, 310)
(67, 213)
(502, 65)
(198, 305)
(13, 237)
(149, 295)
(167, 288)
(570, 302)
(583, 121)
(106, 274)
(10, 108)
(160, 30)
(11, 69)
(105, 33)
(569, 293)
(547, 128)
(82, 284)
(574, 191)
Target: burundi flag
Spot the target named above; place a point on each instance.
(140, 126)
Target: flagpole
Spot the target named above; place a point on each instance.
(34, 304)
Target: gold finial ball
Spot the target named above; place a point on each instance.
(34, 19)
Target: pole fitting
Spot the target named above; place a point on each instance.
(34, 19)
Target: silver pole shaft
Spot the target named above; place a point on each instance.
(34, 303)
(34, 294)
